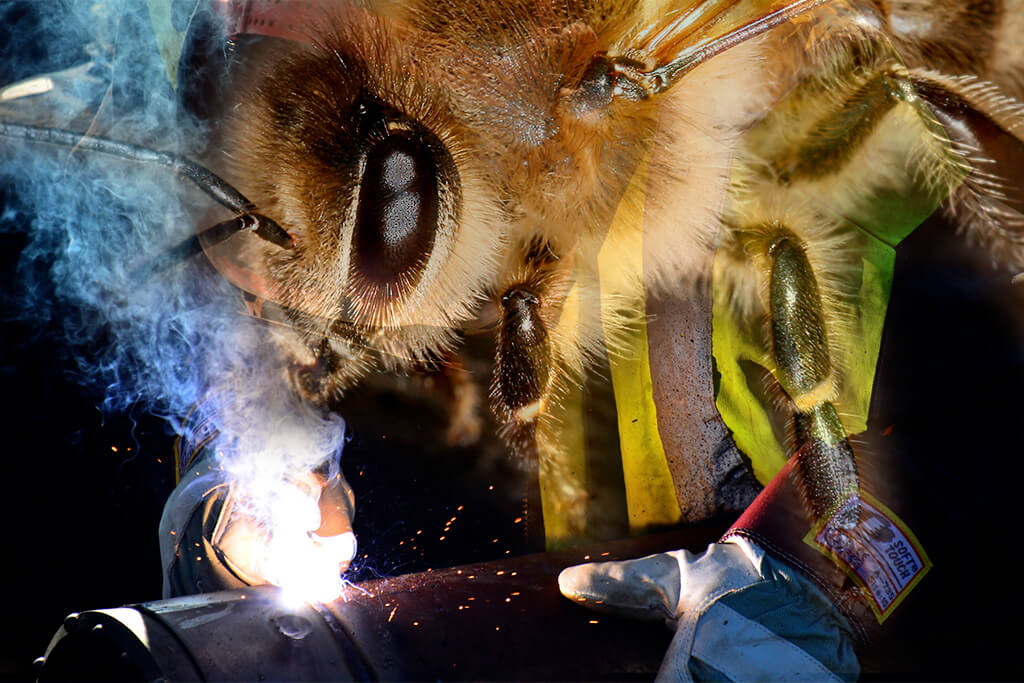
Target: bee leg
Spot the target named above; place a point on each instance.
(825, 466)
(522, 368)
(520, 385)
(984, 128)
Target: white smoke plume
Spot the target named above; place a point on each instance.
(175, 341)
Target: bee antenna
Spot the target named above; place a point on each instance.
(663, 77)
(206, 180)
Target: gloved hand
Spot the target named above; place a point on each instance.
(215, 536)
(738, 613)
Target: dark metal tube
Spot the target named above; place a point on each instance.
(494, 620)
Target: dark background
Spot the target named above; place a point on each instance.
(83, 490)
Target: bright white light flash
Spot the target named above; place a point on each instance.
(305, 565)
(273, 453)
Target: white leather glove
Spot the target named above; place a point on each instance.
(739, 614)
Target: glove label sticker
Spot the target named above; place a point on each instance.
(880, 554)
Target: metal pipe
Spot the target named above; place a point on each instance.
(493, 620)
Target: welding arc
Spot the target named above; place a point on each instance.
(207, 181)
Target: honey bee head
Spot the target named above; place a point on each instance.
(356, 152)
(416, 156)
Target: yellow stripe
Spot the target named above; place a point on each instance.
(169, 40)
(650, 492)
(562, 455)
(177, 460)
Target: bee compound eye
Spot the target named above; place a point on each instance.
(396, 219)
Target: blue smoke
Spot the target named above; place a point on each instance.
(163, 340)
(98, 220)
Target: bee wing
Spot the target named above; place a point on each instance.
(680, 40)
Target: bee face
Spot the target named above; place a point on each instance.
(361, 158)
(414, 168)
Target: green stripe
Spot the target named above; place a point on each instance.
(874, 220)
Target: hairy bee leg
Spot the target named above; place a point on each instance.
(984, 127)
(519, 387)
(825, 463)
(523, 361)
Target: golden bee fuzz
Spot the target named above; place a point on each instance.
(440, 165)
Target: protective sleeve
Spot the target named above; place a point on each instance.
(191, 560)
